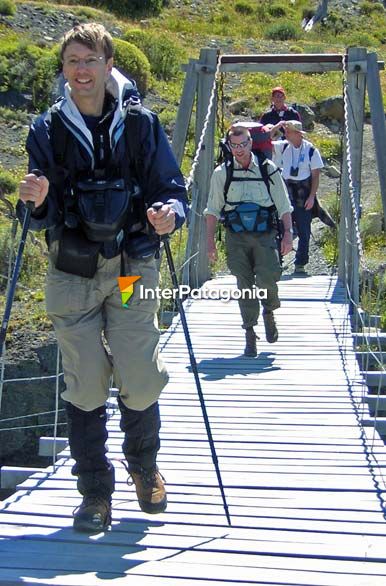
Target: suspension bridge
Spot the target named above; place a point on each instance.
(298, 435)
(302, 474)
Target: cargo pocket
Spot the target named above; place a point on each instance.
(66, 294)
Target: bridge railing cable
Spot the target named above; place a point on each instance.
(365, 294)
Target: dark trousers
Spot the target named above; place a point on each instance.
(301, 218)
(87, 437)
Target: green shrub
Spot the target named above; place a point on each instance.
(329, 147)
(244, 8)
(133, 7)
(7, 7)
(380, 35)
(282, 31)
(28, 68)
(133, 63)
(164, 56)
(360, 39)
(8, 183)
(296, 49)
(47, 68)
(277, 10)
(368, 8)
(10, 116)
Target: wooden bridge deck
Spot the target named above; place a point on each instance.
(305, 504)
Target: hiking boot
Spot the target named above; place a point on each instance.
(271, 333)
(300, 270)
(250, 343)
(93, 515)
(150, 489)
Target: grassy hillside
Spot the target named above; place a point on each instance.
(165, 38)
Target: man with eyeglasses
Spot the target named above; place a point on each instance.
(251, 249)
(104, 161)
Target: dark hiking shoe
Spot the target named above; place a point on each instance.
(271, 333)
(150, 489)
(300, 270)
(93, 515)
(250, 343)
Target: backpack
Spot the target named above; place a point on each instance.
(261, 137)
(247, 216)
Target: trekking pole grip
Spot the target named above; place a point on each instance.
(30, 204)
(157, 206)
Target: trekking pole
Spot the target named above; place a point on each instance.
(165, 240)
(30, 206)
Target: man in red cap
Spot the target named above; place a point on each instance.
(279, 110)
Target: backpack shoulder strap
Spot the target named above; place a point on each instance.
(311, 152)
(264, 170)
(226, 157)
(58, 137)
(134, 119)
(62, 148)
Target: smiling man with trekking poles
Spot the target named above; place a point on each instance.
(104, 160)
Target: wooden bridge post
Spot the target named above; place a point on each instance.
(199, 266)
(374, 91)
(348, 245)
(185, 111)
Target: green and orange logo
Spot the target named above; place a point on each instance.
(126, 287)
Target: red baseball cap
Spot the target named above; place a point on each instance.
(278, 89)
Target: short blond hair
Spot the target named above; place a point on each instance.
(92, 35)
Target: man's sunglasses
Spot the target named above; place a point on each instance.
(239, 145)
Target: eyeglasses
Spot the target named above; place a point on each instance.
(239, 145)
(89, 62)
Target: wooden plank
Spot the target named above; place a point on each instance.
(301, 493)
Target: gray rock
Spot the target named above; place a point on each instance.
(28, 358)
(307, 115)
(239, 106)
(331, 108)
(331, 171)
(15, 99)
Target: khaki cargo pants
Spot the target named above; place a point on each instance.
(254, 260)
(82, 310)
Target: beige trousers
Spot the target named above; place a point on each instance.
(83, 311)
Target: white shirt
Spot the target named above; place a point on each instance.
(289, 157)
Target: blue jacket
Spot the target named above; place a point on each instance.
(156, 170)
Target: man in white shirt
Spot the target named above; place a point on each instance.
(301, 163)
(252, 255)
